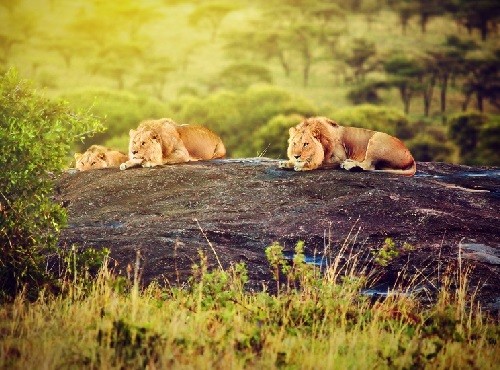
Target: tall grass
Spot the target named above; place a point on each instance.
(312, 321)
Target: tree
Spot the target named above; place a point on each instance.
(362, 59)
(482, 78)
(478, 14)
(465, 130)
(211, 15)
(404, 74)
(426, 9)
(239, 76)
(447, 60)
(262, 41)
(36, 136)
(67, 48)
(154, 74)
(303, 39)
(405, 10)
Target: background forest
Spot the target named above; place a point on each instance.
(424, 70)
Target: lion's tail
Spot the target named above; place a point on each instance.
(408, 171)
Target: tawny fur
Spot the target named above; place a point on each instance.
(319, 142)
(98, 156)
(162, 141)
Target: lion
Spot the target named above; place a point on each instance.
(162, 141)
(319, 142)
(98, 156)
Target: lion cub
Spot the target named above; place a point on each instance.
(98, 156)
(158, 142)
(319, 142)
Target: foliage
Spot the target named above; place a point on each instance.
(271, 140)
(336, 54)
(119, 110)
(313, 321)
(36, 136)
(425, 147)
(239, 76)
(386, 253)
(388, 120)
(476, 135)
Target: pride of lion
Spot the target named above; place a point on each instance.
(319, 142)
(316, 142)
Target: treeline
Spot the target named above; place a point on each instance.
(294, 34)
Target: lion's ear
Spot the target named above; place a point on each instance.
(155, 137)
(102, 156)
(132, 132)
(331, 122)
(292, 131)
(78, 156)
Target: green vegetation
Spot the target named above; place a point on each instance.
(249, 70)
(313, 321)
(36, 136)
(214, 63)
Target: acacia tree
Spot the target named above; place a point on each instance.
(211, 15)
(405, 10)
(303, 39)
(404, 74)
(262, 41)
(447, 61)
(482, 79)
(155, 73)
(478, 14)
(362, 59)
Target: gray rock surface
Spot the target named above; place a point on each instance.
(236, 208)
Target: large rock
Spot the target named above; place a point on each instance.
(234, 209)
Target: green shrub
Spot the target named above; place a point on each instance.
(389, 120)
(477, 136)
(431, 144)
(120, 110)
(36, 136)
(272, 139)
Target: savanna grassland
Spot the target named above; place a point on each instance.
(426, 71)
(311, 321)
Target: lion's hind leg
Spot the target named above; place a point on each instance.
(384, 153)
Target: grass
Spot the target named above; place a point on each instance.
(311, 321)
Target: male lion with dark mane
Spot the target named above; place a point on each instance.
(319, 142)
(162, 141)
(98, 156)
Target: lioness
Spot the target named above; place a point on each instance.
(98, 156)
(319, 142)
(162, 141)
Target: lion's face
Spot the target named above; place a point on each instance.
(145, 146)
(91, 160)
(304, 148)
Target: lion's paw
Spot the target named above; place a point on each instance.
(123, 166)
(285, 164)
(350, 164)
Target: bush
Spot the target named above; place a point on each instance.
(272, 139)
(478, 137)
(36, 136)
(430, 145)
(389, 120)
(120, 110)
